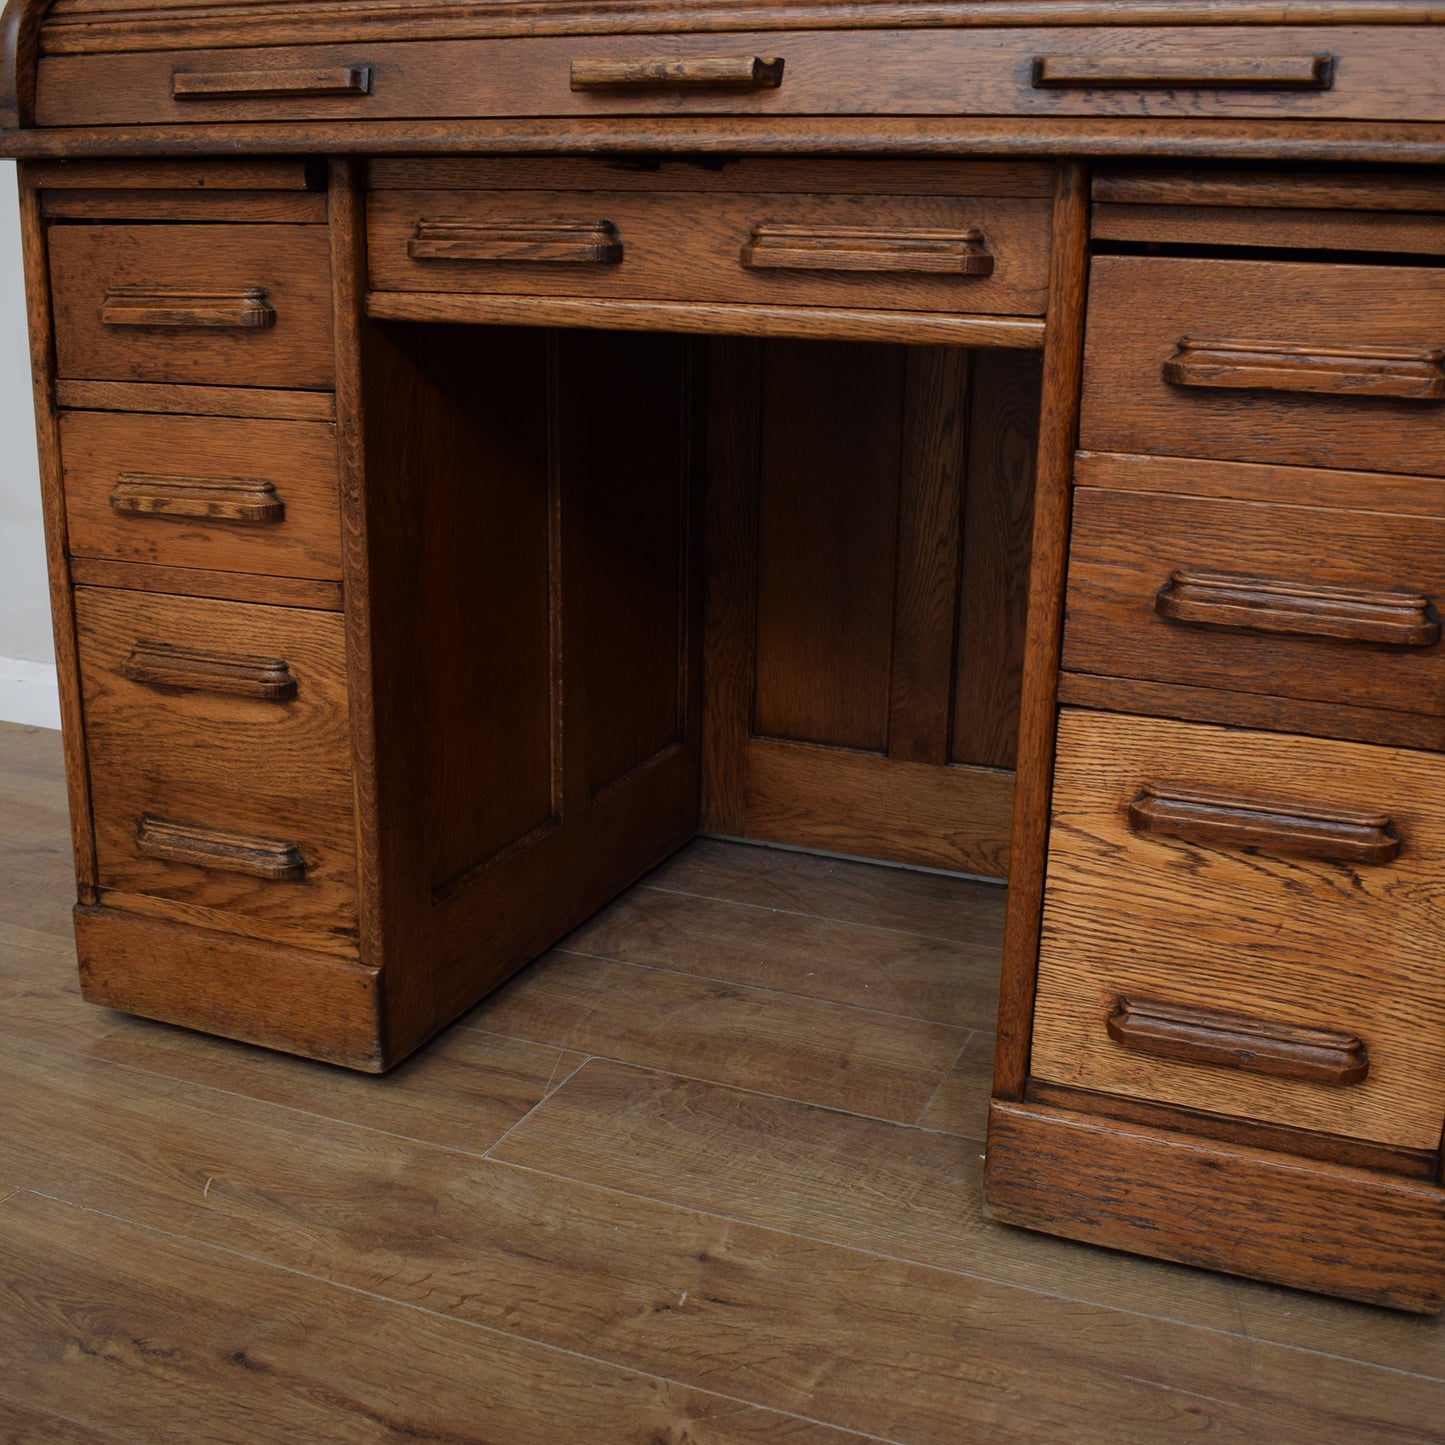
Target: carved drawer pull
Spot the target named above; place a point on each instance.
(442, 239)
(714, 72)
(211, 499)
(158, 664)
(1405, 374)
(245, 308)
(1226, 820)
(865, 248)
(1258, 1046)
(1185, 72)
(259, 84)
(276, 861)
(1303, 609)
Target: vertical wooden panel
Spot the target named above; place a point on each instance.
(832, 419)
(734, 419)
(623, 495)
(1058, 435)
(930, 498)
(486, 581)
(998, 518)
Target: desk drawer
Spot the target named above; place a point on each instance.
(1318, 365)
(1249, 924)
(219, 751)
(221, 305)
(1340, 72)
(926, 253)
(1290, 601)
(218, 493)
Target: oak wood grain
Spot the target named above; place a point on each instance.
(196, 1339)
(296, 460)
(1317, 1225)
(267, 768)
(838, 1055)
(196, 400)
(1349, 946)
(611, 1284)
(1141, 307)
(929, 978)
(289, 264)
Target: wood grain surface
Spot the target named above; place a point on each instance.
(680, 246)
(1380, 75)
(1248, 929)
(1141, 307)
(822, 1309)
(270, 769)
(1127, 546)
(289, 263)
(296, 459)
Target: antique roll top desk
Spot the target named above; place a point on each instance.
(487, 442)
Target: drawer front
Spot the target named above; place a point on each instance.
(1318, 365)
(1290, 601)
(927, 253)
(1247, 923)
(222, 305)
(223, 494)
(1341, 72)
(220, 763)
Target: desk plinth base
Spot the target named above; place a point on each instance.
(1363, 1235)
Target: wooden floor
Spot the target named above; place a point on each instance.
(707, 1173)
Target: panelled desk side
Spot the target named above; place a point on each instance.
(325, 571)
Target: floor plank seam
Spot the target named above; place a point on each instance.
(762, 988)
(720, 1084)
(412, 1306)
(938, 1088)
(550, 1091)
(65, 1419)
(994, 1279)
(264, 1103)
(816, 917)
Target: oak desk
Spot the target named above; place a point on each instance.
(486, 443)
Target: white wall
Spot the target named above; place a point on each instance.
(27, 652)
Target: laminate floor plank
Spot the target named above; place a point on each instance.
(464, 1091)
(960, 1105)
(942, 980)
(733, 1260)
(163, 1339)
(847, 1058)
(911, 1194)
(840, 1336)
(25, 1425)
(939, 906)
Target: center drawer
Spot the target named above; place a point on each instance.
(219, 749)
(953, 253)
(1247, 923)
(1270, 361)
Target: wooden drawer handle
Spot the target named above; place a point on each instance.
(1226, 820)
(1258, 1046)
(862, 248)
(713, 72)
(246, 308)
(280, 81)
(1302, 609)
(1185, 72)
(1406, 375)
(278, 862)
(207, 499)
(547, 242)
(158, 664)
